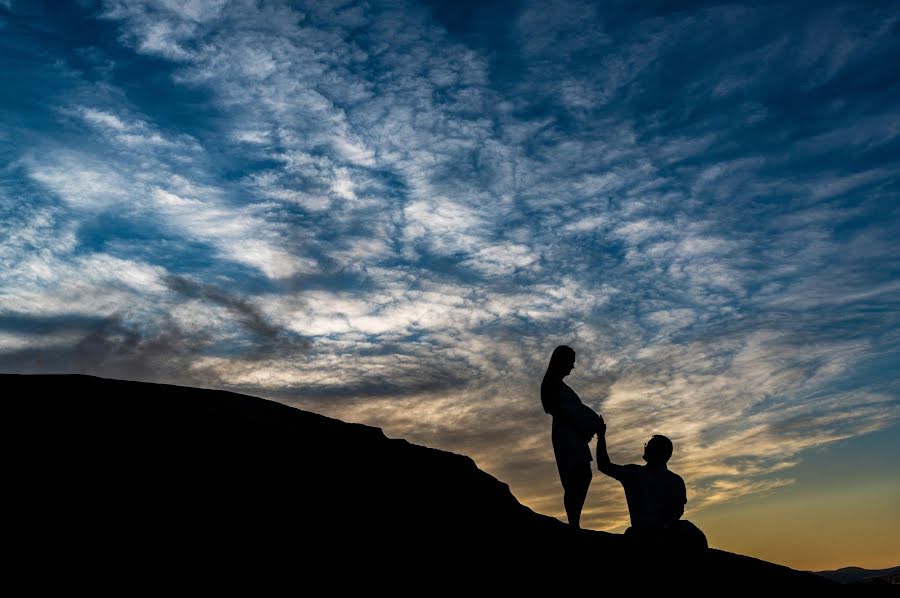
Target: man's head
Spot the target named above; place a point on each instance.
(658, 450)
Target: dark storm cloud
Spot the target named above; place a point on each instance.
(106, 347)
(268, 338)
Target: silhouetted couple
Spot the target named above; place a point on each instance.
(655, 495)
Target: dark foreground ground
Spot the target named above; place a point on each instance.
(136, 489)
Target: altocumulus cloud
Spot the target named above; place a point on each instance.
(389, 214)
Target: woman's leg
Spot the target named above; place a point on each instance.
(576, 482)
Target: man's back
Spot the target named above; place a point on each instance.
(655, 495)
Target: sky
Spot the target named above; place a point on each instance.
(392, 212)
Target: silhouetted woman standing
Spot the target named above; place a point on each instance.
(574, 424)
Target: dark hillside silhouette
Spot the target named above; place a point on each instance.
(136, 489)
(890, 576)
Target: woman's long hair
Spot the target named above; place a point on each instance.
(561, 357)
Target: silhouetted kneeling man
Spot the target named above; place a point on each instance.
(655, 495)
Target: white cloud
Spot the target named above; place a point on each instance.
(502, 259)
(96, 284)
(200, 213)
(444, 225)
(135, 134)
(81, 183)
(239, 235)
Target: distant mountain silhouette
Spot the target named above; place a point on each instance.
(145, 489)
(860, 575)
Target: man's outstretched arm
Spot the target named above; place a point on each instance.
(603, 462)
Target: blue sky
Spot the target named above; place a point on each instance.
(391, 212)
